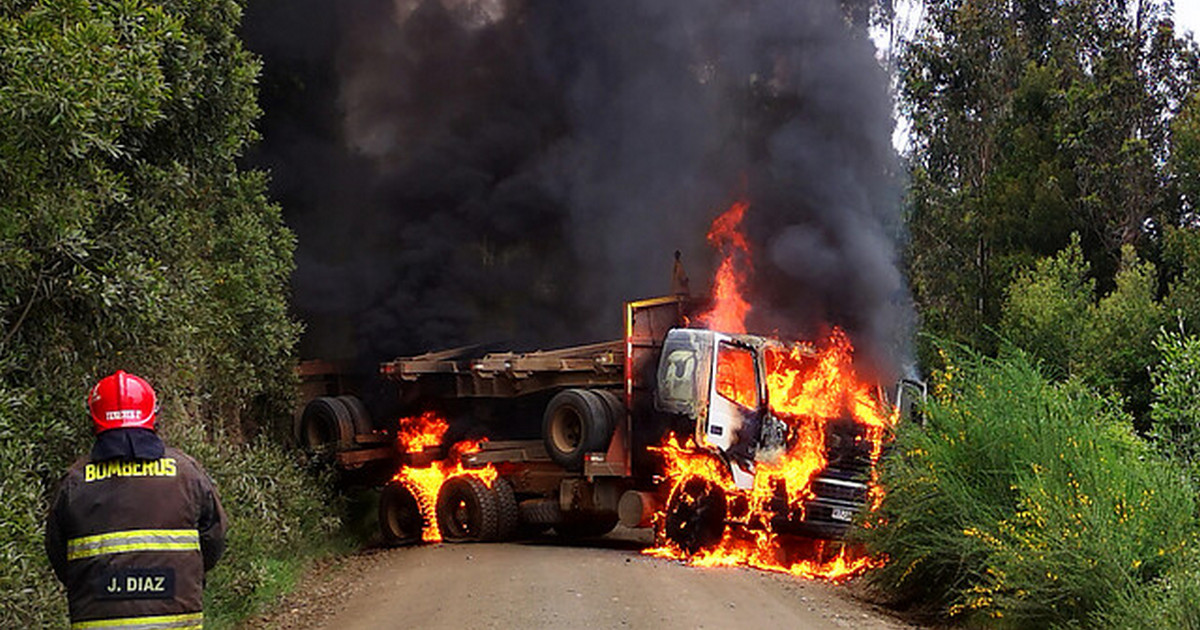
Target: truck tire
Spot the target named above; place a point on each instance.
(325, 422)
(506, 505)
(360, 418)
(575, 423)
(695, 515)
(615, 405)
(591, 527)
(540, 513)
(400, 518)
(467, 510)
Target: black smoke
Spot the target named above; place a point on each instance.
(465, 171)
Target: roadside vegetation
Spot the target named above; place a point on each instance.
(130, 239)
(1055, 265)
(1028, 502)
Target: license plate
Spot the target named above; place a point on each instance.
(841, 514)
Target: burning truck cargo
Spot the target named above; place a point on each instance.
(738, 449)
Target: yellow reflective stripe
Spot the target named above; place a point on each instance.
(186, 621)
(133, 540)
(100, 551)
(131, 533)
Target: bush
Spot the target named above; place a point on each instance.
(1175, 412)
(281, 517)
(1170, 602)
(130, 239)
(1024, 502)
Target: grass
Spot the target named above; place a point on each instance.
(1028, 503)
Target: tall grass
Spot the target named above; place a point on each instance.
(1027, 503)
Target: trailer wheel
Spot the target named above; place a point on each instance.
(325, 422)
(400, 518)
(506, 505)
(575, 423)
(540, 513)
(695, 515)
(614, 405)
(467, 510)
(360, 418)
(592, 527)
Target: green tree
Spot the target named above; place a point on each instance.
(1117, 347)
(1048, 306)
(1175, 412)
(1032, 120)
(129, 238)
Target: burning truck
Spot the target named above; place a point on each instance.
(738, 449)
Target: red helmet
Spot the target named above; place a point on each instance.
(122, 401)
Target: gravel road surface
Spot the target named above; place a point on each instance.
(549, 584)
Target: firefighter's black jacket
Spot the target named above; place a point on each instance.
(131, 532)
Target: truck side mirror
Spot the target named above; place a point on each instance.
(910, 400)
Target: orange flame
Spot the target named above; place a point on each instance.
(728, 313)
(418, 433)
(808, 388)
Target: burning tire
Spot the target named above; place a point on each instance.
(509, 516)
(400, 519)
(467, 510)
(325, 422)
(576, 422)
(695, 515)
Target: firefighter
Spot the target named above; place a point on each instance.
(134, 526)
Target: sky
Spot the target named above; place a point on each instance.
(1187, 15)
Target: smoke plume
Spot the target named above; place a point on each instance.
(466, 171)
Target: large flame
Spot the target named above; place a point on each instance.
(728, 313)
(809, 387)
(417, 435)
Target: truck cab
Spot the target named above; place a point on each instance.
(718, 382)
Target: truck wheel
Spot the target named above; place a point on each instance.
(506, 505)
(540, 513)
(400, 519)
(360, 418)
(324, 422)
(615, 406)
(467, 510)
(593, 527)
(575, 423)
(695, 515)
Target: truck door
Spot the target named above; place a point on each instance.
(734, 421)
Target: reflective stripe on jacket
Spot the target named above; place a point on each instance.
(131, 541)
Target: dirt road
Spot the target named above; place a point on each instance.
(546, 584)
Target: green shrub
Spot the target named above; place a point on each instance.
(1024, 502)
(1047, 306)
(281, 517)
(1175, 412)
(130, 239)
(1170, 602)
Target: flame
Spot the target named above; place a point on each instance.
(728, 313)
(811, 388)
(416, 435)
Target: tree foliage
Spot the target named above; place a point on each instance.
(129, 239)
(1031, 121)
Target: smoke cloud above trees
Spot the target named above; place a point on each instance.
(466, 171)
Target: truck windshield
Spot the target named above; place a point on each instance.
(735, 375)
